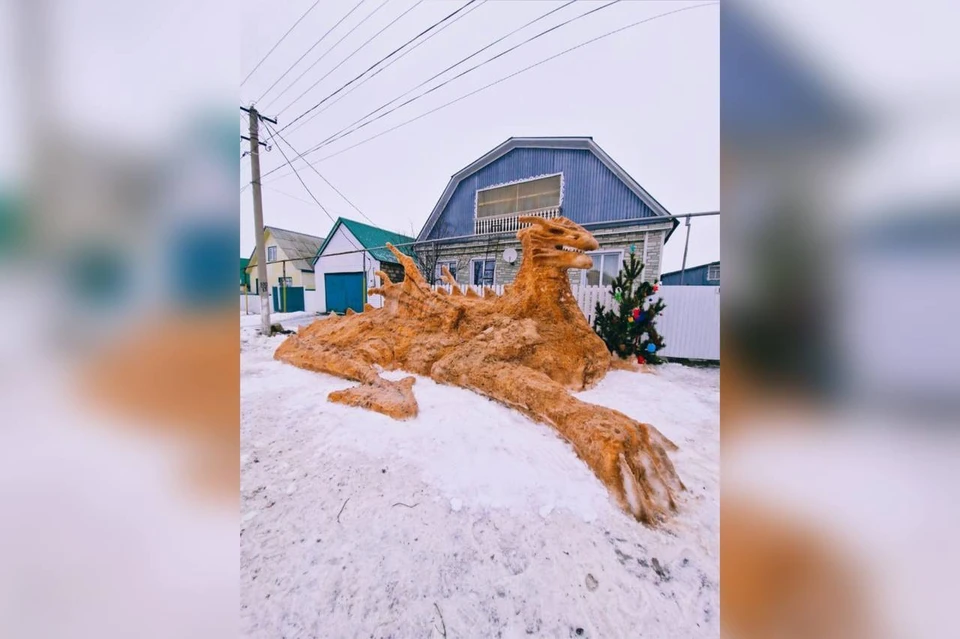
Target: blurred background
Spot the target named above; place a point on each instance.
(118, 337)
(840, 142)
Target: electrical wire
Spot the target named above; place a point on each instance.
(390, 63)
(325, 53)
(348, 130)
(306, 188)
(512, 75)
(282, 38)
(381, 60)
(315, 170)
(312, 47)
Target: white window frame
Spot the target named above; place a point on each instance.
(274, 258)
(710, 268)
(593, 255)
(483, 259)
(289, 281)
(476, 194)
(440, 263)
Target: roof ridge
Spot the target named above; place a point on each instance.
(280, 228)
(371, 226)
(690, 267)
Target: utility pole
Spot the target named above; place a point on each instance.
(686, 243)
(261, 252)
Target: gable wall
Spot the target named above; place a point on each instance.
(591, 192)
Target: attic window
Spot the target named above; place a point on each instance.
(271, 253)
(522, 197)
(713, 273)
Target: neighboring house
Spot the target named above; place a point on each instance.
(244, 276)
(703, 275)
(475, 222)
(289, 267)
(344, 273)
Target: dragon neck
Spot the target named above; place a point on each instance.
(543, 290)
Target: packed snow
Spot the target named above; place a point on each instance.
(469, 520)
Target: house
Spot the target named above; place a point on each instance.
(244, 276)
(472, 229)
(703, 275)
(346, 263)
(289, 267)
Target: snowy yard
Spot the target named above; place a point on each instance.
(470, 519)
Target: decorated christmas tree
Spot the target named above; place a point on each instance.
(630, 329)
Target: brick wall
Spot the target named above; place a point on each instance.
(647, 241)
(393, 271)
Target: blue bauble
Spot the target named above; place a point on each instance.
(651, 347)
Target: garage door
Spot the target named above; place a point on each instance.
(343, 291)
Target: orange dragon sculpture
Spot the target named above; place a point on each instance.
(526, 349)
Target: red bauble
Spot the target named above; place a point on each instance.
(636, 313)
(640, 360)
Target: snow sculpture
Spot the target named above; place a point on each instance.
(525, 349)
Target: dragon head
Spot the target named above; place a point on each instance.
(557, 243)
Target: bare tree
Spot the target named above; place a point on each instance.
(427, 256)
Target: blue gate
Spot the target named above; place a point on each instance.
(293, 296)
(343, 291)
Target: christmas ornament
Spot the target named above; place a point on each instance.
(633, 248)
(630, 320)
(618, 295)
(640, 359)
(651, 347)
(636, 313)
(641, 317)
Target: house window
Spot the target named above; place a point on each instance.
(604, 270)
(285, 281)
(482, 272)
(271, 253)
(713, 273)
(450, 264)
(531, 195)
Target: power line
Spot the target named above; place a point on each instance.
(312, 196)
(282, 38)
(383, 59)
(445, 240)
(307, 188)
(315, 170)
(514, 74)
(345, 132)
(312, 47)
(284, 193)
(342, 38)
(391, 63)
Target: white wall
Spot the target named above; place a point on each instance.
(690, 323)
(250, 304)
(341, 241)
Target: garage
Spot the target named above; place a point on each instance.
(347, 263)
(343, 291)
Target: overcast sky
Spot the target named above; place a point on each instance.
(648, 96)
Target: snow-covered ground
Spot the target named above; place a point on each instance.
(470, 519)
